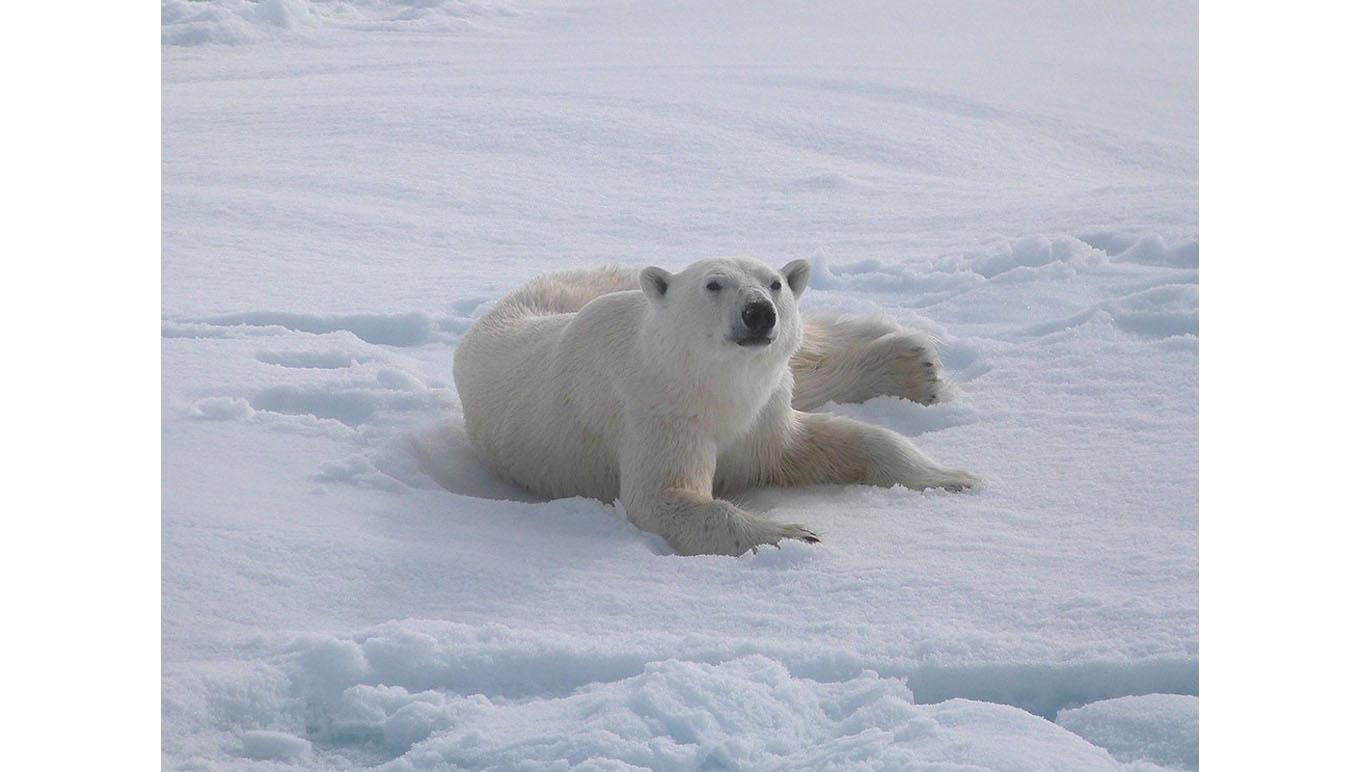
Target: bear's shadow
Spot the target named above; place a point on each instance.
(444, 454)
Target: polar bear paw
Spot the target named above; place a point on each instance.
(959, 481)
(790, 531)
(906, 364)
(722, 528)
(765, 532)
(947, 479)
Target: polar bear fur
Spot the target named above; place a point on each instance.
(649, 387)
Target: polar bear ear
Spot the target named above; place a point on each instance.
(655, 281)
(797, 273)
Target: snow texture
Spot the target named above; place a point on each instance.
(1160, 729)
(197, 22)
(349, 185)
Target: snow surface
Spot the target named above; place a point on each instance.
(348, 185)
(1161, 729)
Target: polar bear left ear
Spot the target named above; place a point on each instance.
(797, 273)
(655, 281)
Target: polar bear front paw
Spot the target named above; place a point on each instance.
(764, 532)
(722, 528)
(789, 531)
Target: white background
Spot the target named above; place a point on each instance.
(1284, 571)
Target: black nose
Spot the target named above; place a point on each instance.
(759, 317)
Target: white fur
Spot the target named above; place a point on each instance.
(614, 383)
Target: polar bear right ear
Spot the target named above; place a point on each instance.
(797, 273)
(655, 281)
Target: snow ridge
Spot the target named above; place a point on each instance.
(197, 22)
(380, 701)
(1154, 729)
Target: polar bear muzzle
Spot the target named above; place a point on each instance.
(759, 318)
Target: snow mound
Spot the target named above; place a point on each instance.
(1152, 250)
(1023, 258)
(351, 402)
(874, 275)
(274, 746)
(1163, 311)
(403, 329)
(396, 699)
(317, 360)
(196, 22)
(748, 713)
(1162, 729)
(420, 693)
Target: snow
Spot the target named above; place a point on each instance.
(347, 186)
(197, 22)
(264, 745)
(1161, 729)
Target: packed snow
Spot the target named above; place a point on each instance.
(1160, 729)
(347, 186)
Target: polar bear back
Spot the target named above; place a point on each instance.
(534, 375)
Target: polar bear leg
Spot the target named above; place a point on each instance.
(831, 449)
(852, 359)
(666, 476)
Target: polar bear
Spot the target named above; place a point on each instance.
(666, 390)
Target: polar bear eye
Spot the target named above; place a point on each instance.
(713, 286)
(776, 285)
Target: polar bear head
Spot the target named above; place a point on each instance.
(729, 308)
